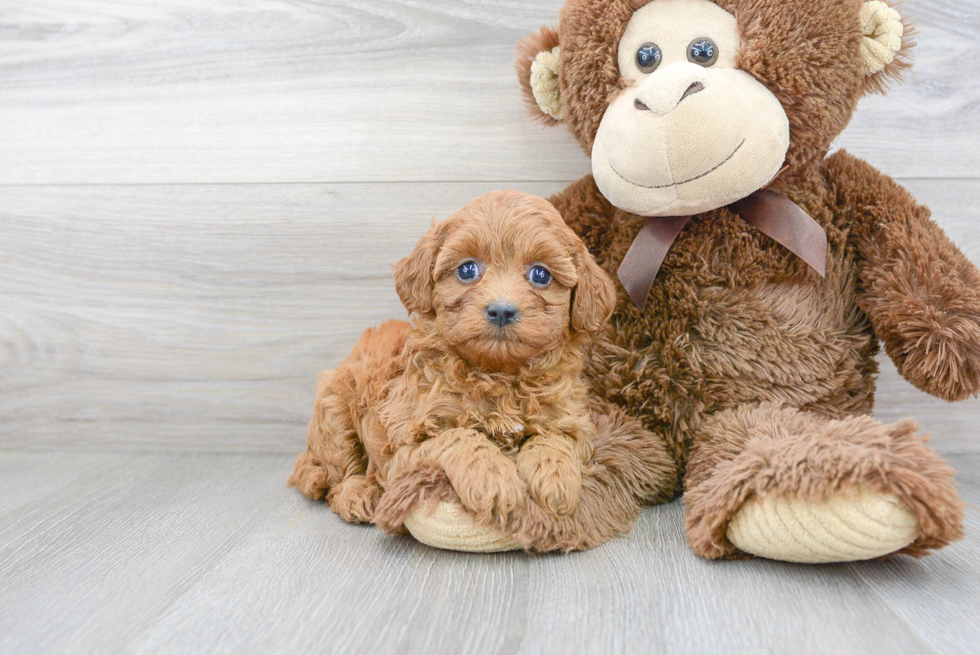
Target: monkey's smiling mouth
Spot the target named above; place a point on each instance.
(696, 177)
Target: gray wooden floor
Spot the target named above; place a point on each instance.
(182, 553)
(199, 207)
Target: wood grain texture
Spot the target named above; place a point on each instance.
(199, 207)
(195, 317)
(211, 553)
(192, 317)
(103, 91)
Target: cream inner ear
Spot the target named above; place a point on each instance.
(544, 82)
(882, 31)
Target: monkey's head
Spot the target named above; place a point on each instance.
(689, 105)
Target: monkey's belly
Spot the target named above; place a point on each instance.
(802, 345)
(798, 344)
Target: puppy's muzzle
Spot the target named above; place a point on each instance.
(502, 313)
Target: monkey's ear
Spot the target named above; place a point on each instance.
(413, 274)
(538, 70)
(594, 296)
(885, 44)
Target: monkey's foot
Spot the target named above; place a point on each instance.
(450, 527)
(844, 528)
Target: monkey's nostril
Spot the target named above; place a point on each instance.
(696, 87)
(639, 104)
(501, 313)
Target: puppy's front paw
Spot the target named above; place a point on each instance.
(489, 486)
(485, 481)
(553, 474)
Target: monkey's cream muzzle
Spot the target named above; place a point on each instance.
(686, 138)
(689, 140)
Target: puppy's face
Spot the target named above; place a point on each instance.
(503, 287)
(505, 280)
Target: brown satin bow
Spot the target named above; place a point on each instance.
(772, 214)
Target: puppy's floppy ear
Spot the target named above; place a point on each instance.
(413, 274)
(594, 297)
(537, 66)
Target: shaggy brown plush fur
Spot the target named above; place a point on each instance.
(756, 371)
(453, 406)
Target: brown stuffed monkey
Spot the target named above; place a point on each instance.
(751, 350)
(758, 275)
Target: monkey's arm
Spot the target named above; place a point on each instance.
(920, 292)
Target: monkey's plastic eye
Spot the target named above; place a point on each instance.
(468, 271)
(539, 276)
(703, 52)
(648, 57)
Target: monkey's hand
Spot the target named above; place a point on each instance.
(920, 292)
(927, 313)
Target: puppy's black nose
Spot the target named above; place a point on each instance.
(501, 312)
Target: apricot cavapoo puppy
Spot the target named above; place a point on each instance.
(485, 383)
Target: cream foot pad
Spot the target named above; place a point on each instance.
(848, 528)
(451, 528)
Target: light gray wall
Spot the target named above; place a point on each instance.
(199, 207)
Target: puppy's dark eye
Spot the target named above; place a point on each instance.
(703, 52)
(648, 57)
(468, 271)
(539, 276)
